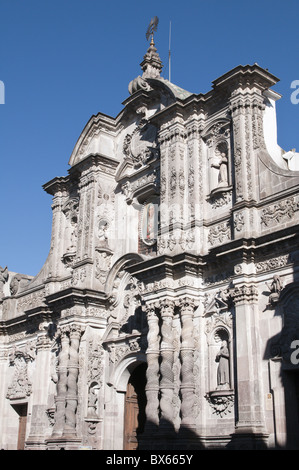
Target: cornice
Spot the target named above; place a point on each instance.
(57, 184)
(244, 75)
(72, 296)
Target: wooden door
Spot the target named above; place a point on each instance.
(22, 412)
(134, 416)
(131, 419)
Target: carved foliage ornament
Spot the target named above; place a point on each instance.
(95, 377)
(221, 402)
(281, 211)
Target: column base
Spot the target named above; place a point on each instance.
(63, 443)
(248, 439)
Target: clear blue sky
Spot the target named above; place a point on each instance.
(63, 61)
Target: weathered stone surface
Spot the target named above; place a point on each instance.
(175, 232)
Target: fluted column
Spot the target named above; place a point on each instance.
(152, 373)
(187, 362)
(61, 384)
(72, 378)
(166, 368)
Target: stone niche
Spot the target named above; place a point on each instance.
(217, 140)
(218, 329)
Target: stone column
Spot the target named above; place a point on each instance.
(248, 357)
(152, 373)
(166, 368)
(61, 384)
(187, 362)
(72, 378)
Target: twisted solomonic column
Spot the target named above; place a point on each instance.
(61, 383)
(166, 368)
(187, 362)
(72, 379)
(152, 372)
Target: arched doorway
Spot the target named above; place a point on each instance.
(135, 401)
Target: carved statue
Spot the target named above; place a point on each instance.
(102, 232)
(276, 285)
(221, 165)
(93, 400)
(3, 279)
(275, 288)
(223, 170)
(223, 367)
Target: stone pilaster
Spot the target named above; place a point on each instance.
(85, 225)
(248, 360)
(39, 420)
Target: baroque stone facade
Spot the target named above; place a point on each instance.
(166, 314)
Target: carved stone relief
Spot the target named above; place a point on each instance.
(21, 386)
(275, 288)
(283, 211)
(71, 211)
(3, 279)
(219, 233)
(141, 146)
(94, 377)
(103, 264)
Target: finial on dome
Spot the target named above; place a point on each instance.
(152, 64)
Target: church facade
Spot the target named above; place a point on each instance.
(166, 315)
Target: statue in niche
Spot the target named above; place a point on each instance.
(93, 400)
(223, 170)
(222, 358)
(102, 232)
(220, 163)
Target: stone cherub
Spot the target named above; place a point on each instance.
(3, 280)
(275, 288)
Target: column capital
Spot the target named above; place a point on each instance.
(76, 330)
(166, 307)
(247, 293)
(186, 305)
(150, 308)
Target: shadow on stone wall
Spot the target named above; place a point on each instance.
(166, 437)
(282, 353)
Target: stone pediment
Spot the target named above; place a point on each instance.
(124, 170)
(98, 137)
